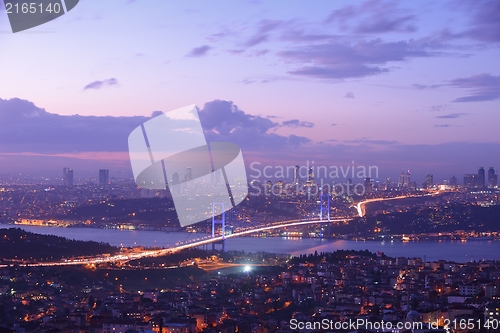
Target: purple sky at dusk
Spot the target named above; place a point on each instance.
(400, 85)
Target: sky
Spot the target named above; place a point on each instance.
(396, 84)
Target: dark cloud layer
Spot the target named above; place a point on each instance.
(30, 135)
(28, 128)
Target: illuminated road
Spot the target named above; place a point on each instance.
(360, 206)
(208, 240)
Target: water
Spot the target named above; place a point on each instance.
(433, 250)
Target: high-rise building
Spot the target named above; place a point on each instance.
(279, 187)
(401, 181)
(311, 176)
(492, 178)
(368, 185)
(103, 177)
(429, 181)
(68, 177)
(453, 181)
(296, 175)
(480, 181)
(469, 180)
(269, 187)
(404, 180)
(189, 174)
(175, 178)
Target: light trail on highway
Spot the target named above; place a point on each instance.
(360, 205)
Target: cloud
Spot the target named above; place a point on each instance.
(236, 51)
(439, 107)
(29, 128)
(257, 53)
(339, 60)
(451, 115)
(218, 36)
(262, 35)
(297, 123)
(257, 39)
(373, 16)
(484, 22)
(423, 86)
(349, 95)
(101, 84)
(481, 87)
(334, 125)
(248, 81)
(367, 141)
(199, 51)
(224, 121)
(442, 125)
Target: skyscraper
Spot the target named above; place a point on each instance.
(189, 174)
(296, 175)
(453, 181)
(103, 176)
(480, 181)
(68, 177)
(429, 181)
(368, 185)
(175, 178)
(311, 176)
(401, 181)
(407, 179)
(492, 178)
(469, 180)
(269, 187)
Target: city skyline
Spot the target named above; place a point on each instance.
(296, 177)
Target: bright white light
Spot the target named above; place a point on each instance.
(247, 268)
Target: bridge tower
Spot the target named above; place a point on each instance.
(327, 209)
(222, 222)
